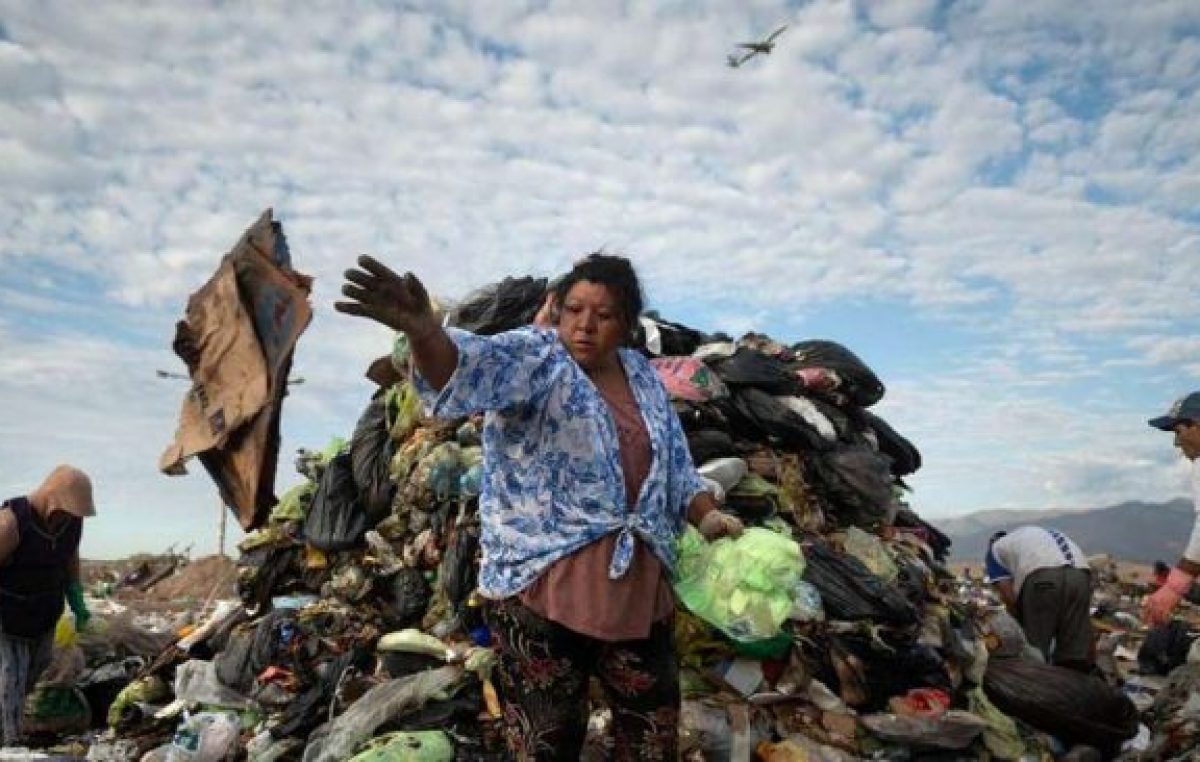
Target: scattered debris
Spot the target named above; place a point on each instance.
(831, 630)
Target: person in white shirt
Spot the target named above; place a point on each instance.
(1184, 420)
(1044, 580)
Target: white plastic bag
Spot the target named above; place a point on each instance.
(205, 737)
(196, 683)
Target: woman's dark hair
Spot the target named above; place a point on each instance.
(613, 272)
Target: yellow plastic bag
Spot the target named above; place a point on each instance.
(64, 631)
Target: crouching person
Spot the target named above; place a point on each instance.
(1044, 580)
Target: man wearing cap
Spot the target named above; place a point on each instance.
(39, 566)
(1184, 420)
(1045, 582)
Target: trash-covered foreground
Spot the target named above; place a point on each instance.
(831, 630)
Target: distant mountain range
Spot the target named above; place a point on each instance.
(1133, 531)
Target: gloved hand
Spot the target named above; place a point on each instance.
(78, 607)
(1157, 608)
(717, 524)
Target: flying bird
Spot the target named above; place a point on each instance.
(760, 47)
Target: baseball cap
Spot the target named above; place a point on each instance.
(1186, 408)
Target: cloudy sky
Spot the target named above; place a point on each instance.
(994, 203)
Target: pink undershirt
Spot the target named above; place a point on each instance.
(575, 591)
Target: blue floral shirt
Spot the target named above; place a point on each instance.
(552, 478)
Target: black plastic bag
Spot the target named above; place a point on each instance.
(845, 424)
(663, 338)
(856, 481)
(1165, 648)
(511, 303)
(336, 519)
(753, 499)
(371, 451)
(101, 686)
(850, 592)
(459, 569)
(232, 666)
(263, 573)
(859, 382)
(250, 649)
(709, 444)
(764, 418)
(937, 541)
(409, 598)
(906, 458)
(695, 416)
(912, 580)
(302, 713)
(1070, 705)
(749, 367)
(311, 708)
(892, 670)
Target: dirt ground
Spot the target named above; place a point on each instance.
(208, 577)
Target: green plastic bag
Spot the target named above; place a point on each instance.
(753, 498)
(744, 586)
(413, 746)
(335, 446)
(404, 411)
(147, 690)
(294, 504)
(1001, 736)
(56, 709)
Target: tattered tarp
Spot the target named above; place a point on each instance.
(237, 340)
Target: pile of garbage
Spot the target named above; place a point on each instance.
(830, 630)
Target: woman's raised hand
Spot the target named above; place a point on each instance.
(397, 301)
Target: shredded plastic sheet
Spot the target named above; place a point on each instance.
(113, 638)
(196, 683)
(869, 549)
(338, 740)
(1001, 736)
(955, 729)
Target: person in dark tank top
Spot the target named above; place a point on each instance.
(39, 569)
